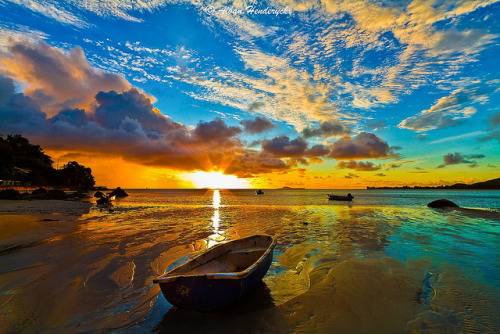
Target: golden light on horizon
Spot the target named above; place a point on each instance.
(215, 180)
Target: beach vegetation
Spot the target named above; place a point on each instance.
(27, 164)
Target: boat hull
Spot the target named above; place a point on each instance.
(214, 291)
(339, 198)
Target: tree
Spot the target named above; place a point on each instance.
(22, 161)
(75, 175)
(6, 160)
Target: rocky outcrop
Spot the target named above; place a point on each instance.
(118, 193)
(99, 194)
(442, 203)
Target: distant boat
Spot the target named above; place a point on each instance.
(219, 276)
(259, 192)
(349, 197)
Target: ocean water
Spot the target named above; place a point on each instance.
(383, 263)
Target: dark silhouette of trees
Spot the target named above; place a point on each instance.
(27, 163)
(74, 174)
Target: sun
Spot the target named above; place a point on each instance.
(215, 180)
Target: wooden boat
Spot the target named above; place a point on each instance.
(218, 277)
(349, 197)
(259, 192)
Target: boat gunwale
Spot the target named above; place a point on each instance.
(230, 275)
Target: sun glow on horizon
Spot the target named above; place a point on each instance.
(215, 180)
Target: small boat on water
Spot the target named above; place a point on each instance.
(349, 197)
(219, 276)
(259, 192)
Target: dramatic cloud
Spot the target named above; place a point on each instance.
(127, 125)
(343, 39)
(18, 113)
(494, 123)
(257, 125)
(124, 124)
(327, 130)
(215, 131)
(290, 94)
(457, 158)
(54, 79)
(450, 110)
(375, 125)
(282, 146)
(419, 48)
(358, 165)
(252, 164)
(113, 107)
(328, 70)
(68, 105)
(363, 146)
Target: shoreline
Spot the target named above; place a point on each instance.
(66, 269)
(26, 222)
(477, 213)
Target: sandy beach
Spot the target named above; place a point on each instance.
(25, 222)
(477, 213)
(66, 266)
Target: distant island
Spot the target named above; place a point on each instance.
(489, 185)
(290, 188)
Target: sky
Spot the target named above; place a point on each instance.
(254, 94)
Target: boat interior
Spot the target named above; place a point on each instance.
(229, 262)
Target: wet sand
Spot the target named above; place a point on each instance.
(26, 222)
(68, 267)
(478, 213)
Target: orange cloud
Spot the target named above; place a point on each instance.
(54, 79)
(126, 125)
(68, 106)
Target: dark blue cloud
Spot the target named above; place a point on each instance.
(257, 125)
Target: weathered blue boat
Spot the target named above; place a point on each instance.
(221, 275)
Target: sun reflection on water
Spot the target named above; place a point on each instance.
(216, 200)
(218, 235)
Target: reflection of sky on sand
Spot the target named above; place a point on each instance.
(336, 268)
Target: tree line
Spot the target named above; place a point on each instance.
(27, 164)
